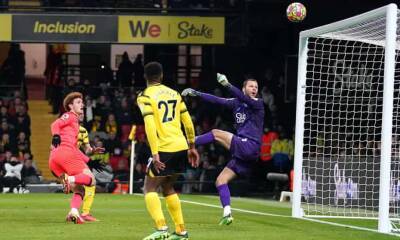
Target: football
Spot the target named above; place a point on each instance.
(296, 12)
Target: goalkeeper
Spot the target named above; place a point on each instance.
(248, 112)
(83, 144)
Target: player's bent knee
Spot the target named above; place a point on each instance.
(216, 132)
(220, 181)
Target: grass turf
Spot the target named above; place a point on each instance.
(42, 216)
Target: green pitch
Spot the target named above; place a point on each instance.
(42, 216)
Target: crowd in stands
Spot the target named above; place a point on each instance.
(17, 166)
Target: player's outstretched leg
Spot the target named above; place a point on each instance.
(224, 195)
(204, 138)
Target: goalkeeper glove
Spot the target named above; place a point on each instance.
(221, 78)
(96, 165)
(189, 92)
(56, 140)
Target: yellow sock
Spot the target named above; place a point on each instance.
(88, 199)
(153, 205)
(175, 210)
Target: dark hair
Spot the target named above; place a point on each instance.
(249, 80)
(153, 71)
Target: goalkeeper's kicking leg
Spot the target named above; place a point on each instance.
(244, 153)
(225, 139)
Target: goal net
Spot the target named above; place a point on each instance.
(345, 70)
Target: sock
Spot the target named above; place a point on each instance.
(88, 199)
(153, 205)
(227, 210)
(225, 197)
(76, 201)
(204, 139)
(175, 211)
(81, 179)
(74, 211)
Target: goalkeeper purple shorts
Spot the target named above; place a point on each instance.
(245, 153)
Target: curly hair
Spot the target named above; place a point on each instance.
(70, 98)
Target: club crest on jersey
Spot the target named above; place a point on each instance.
(65, 116)
(240, 117)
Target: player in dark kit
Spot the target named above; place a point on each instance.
(248, 112)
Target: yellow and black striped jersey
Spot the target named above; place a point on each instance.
(163, 111)
(83, 136)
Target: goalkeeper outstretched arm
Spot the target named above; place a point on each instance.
(227, 102)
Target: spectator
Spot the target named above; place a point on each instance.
(121, 172)
(13, 67)
(103, 107)
(5, 128)
(111, 125)
(6, 144)
(4, 116)
(115, 160)
(23, 122)
(266, 145)
(125, 113)
(29, 173)
(138, 71)
(125, 71)
(282, 151)
(270, 109)
(113, 143)
(22, 142)
(12, 177)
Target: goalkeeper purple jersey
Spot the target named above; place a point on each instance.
(247, 112)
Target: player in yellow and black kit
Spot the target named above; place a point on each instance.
(84, 145)
(163, 111)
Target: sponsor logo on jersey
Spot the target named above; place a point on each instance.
(240, 117)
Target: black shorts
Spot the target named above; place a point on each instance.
(175, 163)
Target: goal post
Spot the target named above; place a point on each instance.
(346, 165)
